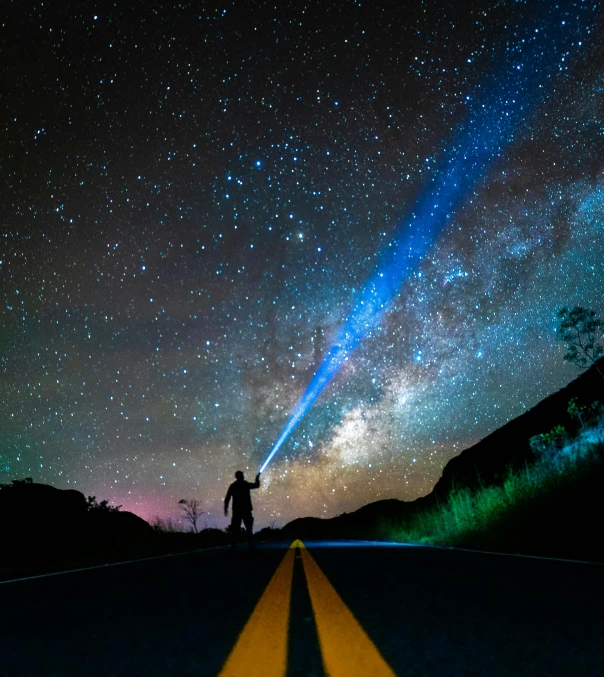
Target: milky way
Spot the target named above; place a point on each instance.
(193, 199)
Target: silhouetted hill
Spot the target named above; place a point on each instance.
(116, 522)
(365, 523)
(28, 508)
(44, 529)
(485, 463)
(40, 524)
(508, 447)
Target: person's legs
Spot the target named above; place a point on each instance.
(235, 529)
(248, 521)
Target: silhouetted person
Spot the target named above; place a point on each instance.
(239, 491)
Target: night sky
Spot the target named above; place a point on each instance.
(193, 197)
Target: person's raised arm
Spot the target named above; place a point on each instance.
(227, 499)
(256, 484)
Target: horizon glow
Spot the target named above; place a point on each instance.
(494, 114)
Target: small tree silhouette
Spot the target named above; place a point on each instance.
(581, 330)
(192, 511)
(103, 506)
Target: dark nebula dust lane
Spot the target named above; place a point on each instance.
(195, 197)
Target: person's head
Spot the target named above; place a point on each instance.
(239, 475)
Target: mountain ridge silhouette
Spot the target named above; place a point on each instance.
(484, 463)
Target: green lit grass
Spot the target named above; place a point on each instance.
(482, 516)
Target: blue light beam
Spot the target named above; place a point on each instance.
(493, 116)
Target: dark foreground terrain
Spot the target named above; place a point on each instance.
(430, 612)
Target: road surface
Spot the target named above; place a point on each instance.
(375, 609)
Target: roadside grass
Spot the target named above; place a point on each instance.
(492, 512)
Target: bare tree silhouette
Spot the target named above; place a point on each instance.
(192, 511)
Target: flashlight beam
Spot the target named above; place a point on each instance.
(493, 116)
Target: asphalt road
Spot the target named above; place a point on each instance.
(428, 612)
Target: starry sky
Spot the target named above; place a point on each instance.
(194, 195)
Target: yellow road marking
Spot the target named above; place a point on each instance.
(261, 650)
(346, 649)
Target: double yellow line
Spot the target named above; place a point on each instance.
(261, 650)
